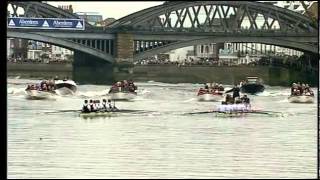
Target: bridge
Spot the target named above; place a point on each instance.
(174, 25)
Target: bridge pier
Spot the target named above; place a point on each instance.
(90, 69)
(123, 65)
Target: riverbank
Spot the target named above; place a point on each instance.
(273, 76)
(39, 70)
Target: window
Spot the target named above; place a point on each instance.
(207, 49)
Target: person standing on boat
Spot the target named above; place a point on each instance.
(236, 92)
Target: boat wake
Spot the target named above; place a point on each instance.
(273, 94)
(91, 94)
(190, 100)
(16, 91)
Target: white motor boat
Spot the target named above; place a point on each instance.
(125, 96)
(301, 99)
(65, 87)
(210, 97)
(36, 94)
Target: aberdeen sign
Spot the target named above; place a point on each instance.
(45, 23)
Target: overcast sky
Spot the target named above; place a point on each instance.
(115, 9)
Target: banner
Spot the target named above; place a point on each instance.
(45, 23)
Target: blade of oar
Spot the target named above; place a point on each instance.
(202, 112)
(64, 111)
(267, 111)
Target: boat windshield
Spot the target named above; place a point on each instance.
(252, 80)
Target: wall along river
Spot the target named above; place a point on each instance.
(163, 141)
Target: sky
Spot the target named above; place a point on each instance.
(115, 9)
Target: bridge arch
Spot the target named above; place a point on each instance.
(60, 42)
(262, 40)
(229, 16)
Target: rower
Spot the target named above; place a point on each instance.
(246, 101)
(109, 108)
(104, 104)
(229, 99)
(98, 106)
(86, 107)
(112, 108)
(91, 104)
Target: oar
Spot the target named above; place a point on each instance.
(226, 112)
(119, 111)
(63, 111)
(206, 112)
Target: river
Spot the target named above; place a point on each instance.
(164, 143)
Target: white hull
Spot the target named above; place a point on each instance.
(210, 97)
(67, 87)
(35, 94)
(64, 91)
(122, 96)
(301, 99)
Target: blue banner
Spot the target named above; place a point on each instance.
(45, 23)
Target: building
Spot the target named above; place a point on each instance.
(19, 48)
(228, 57)
(208, 51)
(93, 18)
(106, 22)
(34, 50)
(9, 47)
(295, 6)
(66, 8)
(312, 10)
(59, 53)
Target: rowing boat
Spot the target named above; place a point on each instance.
(97, 114)
(237, 113)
